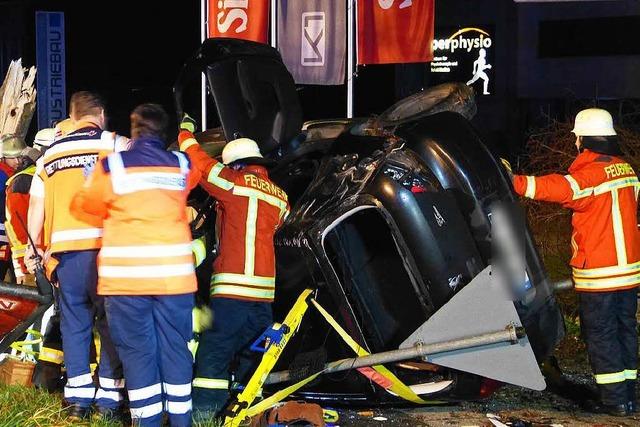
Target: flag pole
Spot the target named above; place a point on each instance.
(274, 18)
(351, 4)
(203, 81)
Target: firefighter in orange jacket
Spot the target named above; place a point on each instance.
(6, 171)
(17, 205)
(250, 208)
(602, 191)
(146, 270)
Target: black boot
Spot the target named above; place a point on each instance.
(600, 408)
(76, 412)
(632, 407)
(107, 414)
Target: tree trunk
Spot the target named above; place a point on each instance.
(17, 99)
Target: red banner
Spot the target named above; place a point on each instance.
(239, 19)
(395, 31)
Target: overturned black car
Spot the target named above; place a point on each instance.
(390, 221)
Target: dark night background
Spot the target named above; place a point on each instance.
(550, 58)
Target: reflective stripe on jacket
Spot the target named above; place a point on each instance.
(62, 171)
(5, 173)
(602, 192)
(250, 209)
(141, 195)
(17, 206)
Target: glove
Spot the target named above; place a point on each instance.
(507, 166)
(202, 318)
(188, 123)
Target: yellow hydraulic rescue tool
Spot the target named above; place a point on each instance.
(276, 339)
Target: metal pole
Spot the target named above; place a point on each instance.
(274, 20)
(203, 78)
(351, 4)
(511, 335)
(564, 285)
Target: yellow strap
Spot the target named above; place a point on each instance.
(269, 359)
(51, 355)
(397, 386)
(278, 396)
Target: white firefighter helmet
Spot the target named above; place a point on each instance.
(12, 146)
(594, 122)
(242, 149)
(44, 138)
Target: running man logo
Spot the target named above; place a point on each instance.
(464, 56)
(313, 50)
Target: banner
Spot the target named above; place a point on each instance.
(395, 31)
(50, 61)
(239, 19)
(464, 55)
(312, 40)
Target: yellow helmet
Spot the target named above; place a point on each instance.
(12, 146)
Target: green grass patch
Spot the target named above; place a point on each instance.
(29, 407)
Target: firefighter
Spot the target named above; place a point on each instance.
(602, 191)
(72, 246)
(10, 143)
(17, 205)
(146, 269)
(249, 210)
(44, 138)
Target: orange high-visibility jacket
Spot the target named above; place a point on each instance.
(141, 195)
(60, 173)
(16, 208)
(250, 209)
(602, 192)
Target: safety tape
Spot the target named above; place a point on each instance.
(396, 386)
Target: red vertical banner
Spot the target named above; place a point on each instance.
(239, 19)
(395, 31)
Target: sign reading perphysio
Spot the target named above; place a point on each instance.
(50, 60)
(464, 55)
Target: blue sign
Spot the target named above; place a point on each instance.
(50, 60)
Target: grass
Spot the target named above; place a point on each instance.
(27, 407)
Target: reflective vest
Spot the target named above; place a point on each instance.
(250, 208)
(141, 195)
(61, 172)
(17, 206)
(602, 191)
